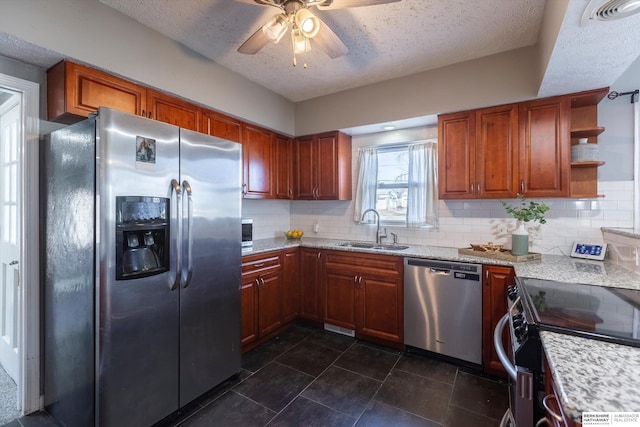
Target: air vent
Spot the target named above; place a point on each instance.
(609, 10)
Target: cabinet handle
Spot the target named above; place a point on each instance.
(319, 253)
(522, 186)
(259, 265)
(149, 115)
(143, 114)
(551, 411)
(290, 192)
(478, 188)
(262, 280)
(244, 189)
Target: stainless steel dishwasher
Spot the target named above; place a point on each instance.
(443, 308)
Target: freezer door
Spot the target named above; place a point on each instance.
(137, 336)
(210, 174)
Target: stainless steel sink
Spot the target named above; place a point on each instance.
(367, 245)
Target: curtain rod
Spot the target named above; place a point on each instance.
(399, 144)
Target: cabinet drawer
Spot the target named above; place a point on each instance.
(260, 263)
(371, 264)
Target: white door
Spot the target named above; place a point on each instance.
(10, 137)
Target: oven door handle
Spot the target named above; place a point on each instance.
(497, 343)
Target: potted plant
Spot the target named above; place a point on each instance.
(526, 212)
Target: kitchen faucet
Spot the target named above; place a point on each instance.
(379, 236)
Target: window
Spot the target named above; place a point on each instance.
(400, 182)
(393, 184)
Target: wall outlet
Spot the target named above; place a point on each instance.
(316, 227)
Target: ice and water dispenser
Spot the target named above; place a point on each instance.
(142, 236)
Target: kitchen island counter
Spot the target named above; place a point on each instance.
(591, 375)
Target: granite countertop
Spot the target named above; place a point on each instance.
(590, 375)
(550, 267)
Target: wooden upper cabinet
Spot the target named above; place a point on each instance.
(456, 157)
(496, 152)
(323, 167)
(222, 126)
(283, 167)
(75, 91)
(306, 156)
(172, 110)
(257, 162)
(545, 147)
(478, 153)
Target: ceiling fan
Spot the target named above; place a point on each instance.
(303, 25)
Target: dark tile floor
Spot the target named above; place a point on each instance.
(309, 377)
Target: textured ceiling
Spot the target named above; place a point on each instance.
(384, 41)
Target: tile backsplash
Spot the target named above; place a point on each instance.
(461, 222)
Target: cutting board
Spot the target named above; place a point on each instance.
(503, 254)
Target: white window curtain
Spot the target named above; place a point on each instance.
(367, 182)
(422, 196)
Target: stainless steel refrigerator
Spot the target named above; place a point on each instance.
(142, 259)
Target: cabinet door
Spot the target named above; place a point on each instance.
(283, 167)
(545, 147)
(269, 302)
(496, 152)
(456, 155)
(75, 91)
(249, 304)
(225, 127)
(305, 162)
(494, 306)
(380, 308)
(327, 167)
(172, 110)
(257, 153)
(311, 302)
(290, 291)
(340, 297)
(333, 168)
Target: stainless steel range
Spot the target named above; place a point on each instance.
(595, 312)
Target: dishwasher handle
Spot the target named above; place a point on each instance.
(439, 271)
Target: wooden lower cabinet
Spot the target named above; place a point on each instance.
(494, 306)
(290, 290)
(311, 298)
(261, 296)
(364, 292)
(554, 412)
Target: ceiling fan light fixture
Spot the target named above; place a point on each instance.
(276, 27)
(307, 23)
(300, 42)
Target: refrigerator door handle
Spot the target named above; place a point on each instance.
(188, 272)
(176, 220)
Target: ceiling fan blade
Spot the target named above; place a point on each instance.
(329, 42)
(344, 4)
(253, 44)
(260, 2)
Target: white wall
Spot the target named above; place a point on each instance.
(492, 80)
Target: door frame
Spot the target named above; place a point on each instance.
(29, 398)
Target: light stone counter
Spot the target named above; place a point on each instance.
(593, 375)
(590, 375)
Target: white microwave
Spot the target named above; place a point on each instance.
(247, 232)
